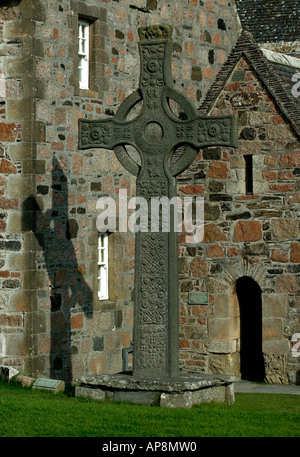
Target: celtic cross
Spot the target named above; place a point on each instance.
(155, 133)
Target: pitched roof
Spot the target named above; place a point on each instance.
(273, 76)
(272, 20)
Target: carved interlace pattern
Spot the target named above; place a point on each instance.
(153, 313)
(153, 347)
(205, 131)
(154, 188)
(95, 134)
(153, 253)
(101, 134)
(154, 307)
(153, 56)
(212, 131)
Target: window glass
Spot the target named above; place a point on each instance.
(103, 266)
(83, 53)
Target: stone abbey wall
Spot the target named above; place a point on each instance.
(51, 321)
(245, 235)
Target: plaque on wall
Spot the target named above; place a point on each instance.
(198, 298)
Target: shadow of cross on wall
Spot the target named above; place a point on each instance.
(54, 232)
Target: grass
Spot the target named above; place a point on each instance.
(37, 413)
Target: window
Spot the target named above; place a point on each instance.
(103, 266)
(83, 53)
(249, 174)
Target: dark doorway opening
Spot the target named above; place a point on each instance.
(250, 302)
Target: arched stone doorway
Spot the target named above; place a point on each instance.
(250, 303)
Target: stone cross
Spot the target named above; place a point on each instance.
(155, 133)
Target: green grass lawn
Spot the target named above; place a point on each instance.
(36, 413)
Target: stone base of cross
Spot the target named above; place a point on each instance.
(155, 133)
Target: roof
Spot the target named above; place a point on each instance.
(274, 75)
(285, 66)
(272, 20)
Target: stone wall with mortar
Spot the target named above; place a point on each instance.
(50, 317)
(245, 235)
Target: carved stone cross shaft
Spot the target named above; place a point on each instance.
(155, 133)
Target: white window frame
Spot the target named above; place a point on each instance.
(103, 266)
(83, 53)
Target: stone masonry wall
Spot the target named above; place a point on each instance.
(50, 317)
(245, 235)
(18, 133)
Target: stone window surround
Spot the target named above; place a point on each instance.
(97, 17)
(103, 266)
(84, 53)
(115, 250)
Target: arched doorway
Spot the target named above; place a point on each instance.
(250, 303)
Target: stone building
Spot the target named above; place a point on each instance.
(239, 288)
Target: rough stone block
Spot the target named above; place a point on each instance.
(247, 231)
(95, 394)
(21, 150)
(221, 305)
(22, 300)
(18, 67)
(8, 132)
(19, 185)
(33, 10)
(222, 347)
(18, 29)
(138, 398)
(273, 328)
(25, 381)
(189, 399)
(218, 170)
(225, 363)
(235, 187)
(287, 283)
(38, 322)
(7, 167)
(276, 347)
(213, 233)
(275, 305)
(285, 229)
(34, 279)
(17, 344)
(295, 252)
(219, 329)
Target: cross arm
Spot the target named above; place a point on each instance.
(208, 131)
(201, 132)
(106, 133)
